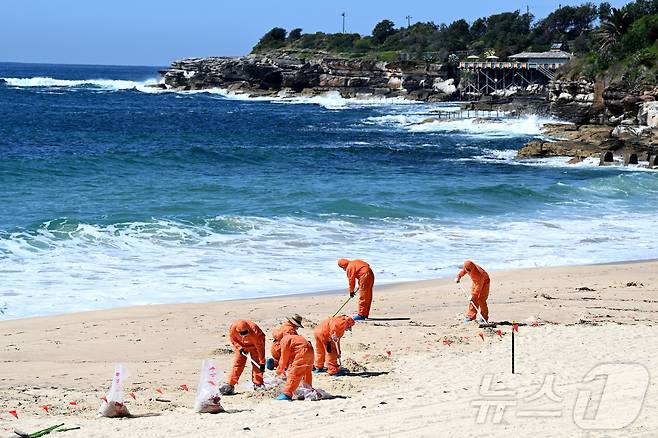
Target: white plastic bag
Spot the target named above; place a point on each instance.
(306, 392)
(113, 405)
(207, 395)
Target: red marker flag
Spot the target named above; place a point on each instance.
(158, 390)
(184, 387)
(388, 352)
(14, 413)
(102, 398)
(499, 332)
(75, 403)
(44, 407)
(535, 324)
(132, 394)
(482, 336)
(447, 342)
(515, 327)
(212, 382)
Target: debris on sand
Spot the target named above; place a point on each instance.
(353, 366)
(222, 350)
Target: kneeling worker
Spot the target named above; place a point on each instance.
(296, 362)
(327, 343)
(289, 327)
(247, 339)
(359, 270)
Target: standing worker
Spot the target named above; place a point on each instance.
(289, 327)
(479, 290)
(297, 363)
(247, 339)
(358, 269)
(327, 343)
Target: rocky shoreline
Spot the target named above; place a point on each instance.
(290, 74)
(614, 122)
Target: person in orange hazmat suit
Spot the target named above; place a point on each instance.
(296, 363)
(479, 289)
(359, 270)
(327, 343)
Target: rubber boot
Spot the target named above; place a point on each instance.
(282, 396)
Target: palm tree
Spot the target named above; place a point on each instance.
(611, 31)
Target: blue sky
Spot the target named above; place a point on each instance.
(149, 32)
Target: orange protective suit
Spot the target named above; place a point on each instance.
(360, 270)
(479, 288)
(287, 328)
(297, 361)
(327, 341)
(253, 344)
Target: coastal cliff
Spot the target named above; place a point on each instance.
(288, 73)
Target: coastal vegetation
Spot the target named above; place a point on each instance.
(604, 39)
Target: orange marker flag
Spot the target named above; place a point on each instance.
(132, 394)
(515, 327)
(158, 390)
(14, 413)
(102, 398)
(184, 387)
(44, 407)
(482, 336)
(75, 403)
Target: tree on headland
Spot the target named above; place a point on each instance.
(273, 39)
(383, 30)
(599, 35)
(294, 35)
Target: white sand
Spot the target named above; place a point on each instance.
(424, 388)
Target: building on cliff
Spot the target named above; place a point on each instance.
(529, 71)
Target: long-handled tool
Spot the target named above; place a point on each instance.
(248, 356)
(477, 309)
(347, 301)
(39, 433)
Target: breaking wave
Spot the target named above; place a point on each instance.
(104, 84)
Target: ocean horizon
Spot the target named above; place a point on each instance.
(119, 193)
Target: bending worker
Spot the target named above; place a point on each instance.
(359, 270)
(247, 339)
(327, 343)
(289, 327)
(296, 362)
(479, 289)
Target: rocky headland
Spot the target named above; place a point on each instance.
(290, 74)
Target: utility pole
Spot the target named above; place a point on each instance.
(343, 15)
(408, 17)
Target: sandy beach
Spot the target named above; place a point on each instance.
(417, 369)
